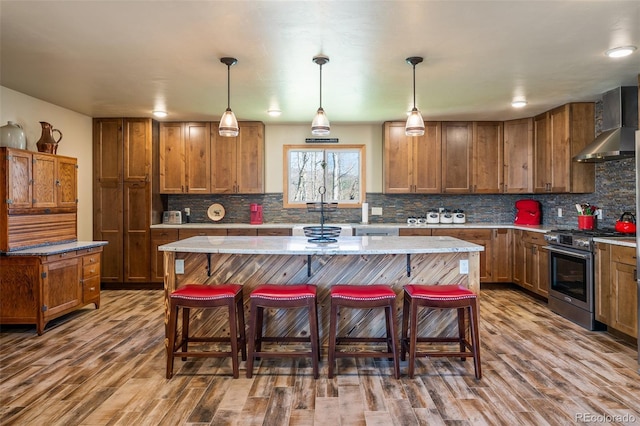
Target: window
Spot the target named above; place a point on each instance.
(339, 169)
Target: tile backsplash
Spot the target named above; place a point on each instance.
(615, 193)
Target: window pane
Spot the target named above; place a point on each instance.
(336, 169)
(342, 176)
(305, 175)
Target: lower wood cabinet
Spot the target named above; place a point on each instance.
(530, 262)
(480, 236)
(37, 289)
(616, 288)
(160, 237)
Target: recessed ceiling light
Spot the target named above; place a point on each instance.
(518, 103)
(274, 112)
(619, 52)
(160, 114)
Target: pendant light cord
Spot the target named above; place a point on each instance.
(414, 86)
(229, 86)
(320, 85)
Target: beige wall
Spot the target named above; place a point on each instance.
(293, 134)
(76, 142)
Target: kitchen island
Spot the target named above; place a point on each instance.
(251, 261)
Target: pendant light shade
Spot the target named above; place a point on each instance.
(228, 123)
(415, 123)
(320, 125)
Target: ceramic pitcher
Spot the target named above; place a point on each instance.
(47, 143)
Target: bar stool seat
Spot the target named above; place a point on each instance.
(442, 297)
(363, 297)
(283, 296)
(206, 297)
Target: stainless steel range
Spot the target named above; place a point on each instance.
(571, 274)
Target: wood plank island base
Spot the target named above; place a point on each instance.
(395, 261)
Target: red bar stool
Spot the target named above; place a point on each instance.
(282, 296)
(363, 297)
(206, 297)
(441, 297)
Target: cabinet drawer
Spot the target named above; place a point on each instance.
(464, 234)
(164, 234)
(96, 250)
(243, 232)
(275, 232)
(61, 256)
(623, 254)
(91, 270)
(93, 259)
(187, 233)
(415, 232)
(534, 238)
(90, 289)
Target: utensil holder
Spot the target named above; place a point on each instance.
(586, 222)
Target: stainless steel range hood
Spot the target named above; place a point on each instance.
(619, 124)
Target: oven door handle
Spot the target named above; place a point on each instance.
(579, 255)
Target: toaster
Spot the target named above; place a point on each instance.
(172, 217)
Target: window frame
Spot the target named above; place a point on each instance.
(286, 149)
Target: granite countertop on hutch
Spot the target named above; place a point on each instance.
(52, 249)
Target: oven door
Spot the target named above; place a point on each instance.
(571, 277)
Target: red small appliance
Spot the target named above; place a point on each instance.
(528, 212)
(256, 214)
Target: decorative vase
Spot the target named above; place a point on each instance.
(12, 136)
(47, 143)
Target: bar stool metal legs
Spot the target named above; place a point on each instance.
(443, 297)
(282, 297)
(363, 297)
(206, 297)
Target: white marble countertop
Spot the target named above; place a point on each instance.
(56, 248)
(535, 228)
(300, 245)
(617, 241)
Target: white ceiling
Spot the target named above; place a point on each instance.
(125, 58)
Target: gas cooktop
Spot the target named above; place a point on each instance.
(604, 232)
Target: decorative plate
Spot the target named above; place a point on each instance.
(215, 212)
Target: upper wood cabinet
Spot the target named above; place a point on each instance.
(184, 158)
(457, 163)
(39, 181)
(559, 135)
(237, 164)
(487, 160)
(412, 163)
(39, 194)
(518, 156)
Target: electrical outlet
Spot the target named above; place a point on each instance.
(376, 211)
(464, 266)
(559, 212)
(441, 209)
(599, 214)
(179, 266)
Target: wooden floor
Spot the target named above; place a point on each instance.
(107, 367)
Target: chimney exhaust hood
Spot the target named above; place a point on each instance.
(619, 124)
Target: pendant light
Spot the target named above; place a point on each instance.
(228, 123)
(415, 123)
(320, 125)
